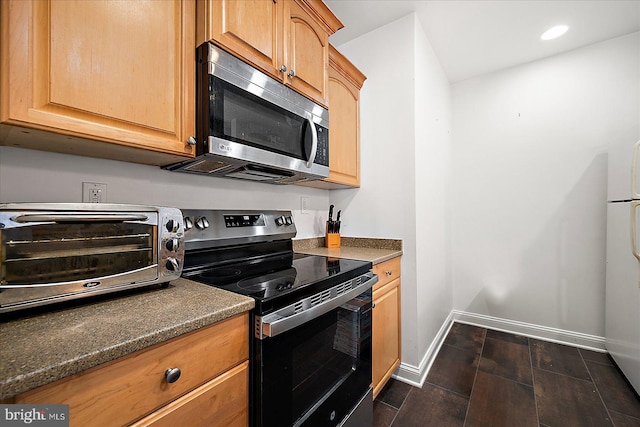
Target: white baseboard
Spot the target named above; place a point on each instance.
(544, 333)
(415, 375)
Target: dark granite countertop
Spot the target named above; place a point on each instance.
(360, 248)
(43, 348)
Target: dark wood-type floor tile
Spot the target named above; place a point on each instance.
(383, 414)
(454, 369)
(595, 356)
(621, 420)
(566, 401)
(432, 407)
(466, 337)
(500, 402)
(478, 375)
(498, 335)
(615, 392)
(506, 359)
(394, 393)
(558, 358)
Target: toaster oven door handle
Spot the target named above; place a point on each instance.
(79, 217)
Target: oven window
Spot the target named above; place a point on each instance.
(243, 117)
(328, 357)
(55, 253)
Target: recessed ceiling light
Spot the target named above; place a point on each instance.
(554, 32)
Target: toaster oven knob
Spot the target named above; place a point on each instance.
(172, 264)
(172, 225)
(202, 223)
(188, 223)
(173, 244)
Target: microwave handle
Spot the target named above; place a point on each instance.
(78, 217)
(314, 142)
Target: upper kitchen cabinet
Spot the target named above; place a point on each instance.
(287, 39)
(104, 79)
(345, 82)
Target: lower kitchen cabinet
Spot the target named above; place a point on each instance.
(386, 323)
(212, 388)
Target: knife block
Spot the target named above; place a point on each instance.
(332, 240)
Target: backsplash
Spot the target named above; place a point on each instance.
(38, 176)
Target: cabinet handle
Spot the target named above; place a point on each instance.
(283, 68)
(373, 306)
(172, 375)
(191, 140)
(292, 74)
(388, 272)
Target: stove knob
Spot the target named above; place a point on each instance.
(172, 264)
(173, 244)
(202, 223)
(280, 220)
(188, 223)
(172, 225)
(289, 220)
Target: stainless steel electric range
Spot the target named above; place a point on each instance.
(310, 348)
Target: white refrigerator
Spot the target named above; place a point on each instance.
(622, 318)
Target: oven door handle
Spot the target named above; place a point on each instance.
(285, 319)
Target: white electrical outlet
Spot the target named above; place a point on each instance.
(304, 205)
(94, 192)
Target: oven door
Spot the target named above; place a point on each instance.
(314, 374)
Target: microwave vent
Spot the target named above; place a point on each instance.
(258, 173)
(208, 166)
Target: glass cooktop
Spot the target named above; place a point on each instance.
(281, 278)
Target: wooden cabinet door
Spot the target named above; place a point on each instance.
(251, 29)
(306, 52)
(385, 334)
(114, 71)
(345, 82)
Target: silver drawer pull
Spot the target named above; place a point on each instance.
(172, 375)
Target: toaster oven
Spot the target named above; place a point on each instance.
(56, 252)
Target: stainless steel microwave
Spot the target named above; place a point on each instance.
(52, 252)
(251, 126)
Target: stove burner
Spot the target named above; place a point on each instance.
(279, 283)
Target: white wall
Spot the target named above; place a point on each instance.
(405, 122)
(529, 184)
(432, 165)
(38, 176)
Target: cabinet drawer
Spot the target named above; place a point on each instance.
(387, 271)
(223, 401)
(133, 386)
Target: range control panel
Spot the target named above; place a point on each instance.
(215, 228)
(244, 220)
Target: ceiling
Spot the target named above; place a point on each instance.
(473, 37)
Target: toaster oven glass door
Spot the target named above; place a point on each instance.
(53, 253)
